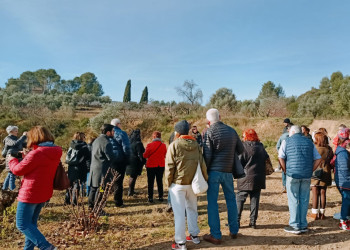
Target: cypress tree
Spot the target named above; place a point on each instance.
(144, 96)
(127, 92)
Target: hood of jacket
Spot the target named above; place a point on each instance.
(188, 143)
(51, 152)
(77, 145)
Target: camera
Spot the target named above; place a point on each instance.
(16, 154)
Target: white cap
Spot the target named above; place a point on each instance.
(10, 128)
(115, 121)
(213, 115)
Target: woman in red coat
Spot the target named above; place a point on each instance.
(155, 155)
(38, 168)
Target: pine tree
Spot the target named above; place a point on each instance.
(127, 92)
(144, 96)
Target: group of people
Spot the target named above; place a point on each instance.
(216, 154)
(308, 160)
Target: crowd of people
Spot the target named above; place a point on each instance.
(305, 160)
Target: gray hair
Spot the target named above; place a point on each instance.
(213, 115)
(295, 129)
(115, 121)
(10, 128)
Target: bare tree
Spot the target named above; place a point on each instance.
(190, 93)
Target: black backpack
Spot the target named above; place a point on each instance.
(72, 157)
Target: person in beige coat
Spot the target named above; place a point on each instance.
(182, 159)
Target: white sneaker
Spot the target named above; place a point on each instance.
(278, 170)
(194, 239)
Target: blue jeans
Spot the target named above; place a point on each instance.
(9, 181)
(345, 206)
(226, 181)
(26, 222)
(298, 193)
(283, 179)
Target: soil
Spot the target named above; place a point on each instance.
(273, 217)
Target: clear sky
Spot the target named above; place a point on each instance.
(238, 44)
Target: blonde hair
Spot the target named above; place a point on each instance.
(39, 134)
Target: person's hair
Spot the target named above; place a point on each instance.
(115, 122)
(323, 130)
(295, 128)
(135, 136)
(341, 126)
(91, 139)
(213, 115)
(321, 139)
(39, 134)
(250, 135)
(10, 128)
(306, 128)
(157, 134)
(106, 128)
(79, 136)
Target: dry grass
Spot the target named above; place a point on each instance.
(140, 225)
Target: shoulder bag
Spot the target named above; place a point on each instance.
(199, 184)
(61, 181)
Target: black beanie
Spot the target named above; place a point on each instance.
(182, 127)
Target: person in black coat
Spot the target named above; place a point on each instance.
(253, 160)
(136, 160)
(78, 159)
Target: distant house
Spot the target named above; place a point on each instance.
(37, 90)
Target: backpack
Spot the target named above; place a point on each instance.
(72, 157)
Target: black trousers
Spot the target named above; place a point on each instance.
(254, 203)
(155, 173)
(74, 189)
(118, 186)
(132, 183)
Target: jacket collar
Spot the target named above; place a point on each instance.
(188, 137)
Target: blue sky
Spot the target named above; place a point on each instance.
(161, 43)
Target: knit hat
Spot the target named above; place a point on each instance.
(213, 115)
(182, 127)
(10, 128)
(343, 133)
(286, 120)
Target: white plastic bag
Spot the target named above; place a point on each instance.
(199, 184)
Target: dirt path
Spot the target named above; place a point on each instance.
(273, 217)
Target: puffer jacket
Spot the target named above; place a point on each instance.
(79, 171)
(12, 143)
(121, 146)
(38, 168)
(342, 169)
(182, 160)
(155, 154)
(220, 144)
(253, 160)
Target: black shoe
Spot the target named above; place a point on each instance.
(119, 205)
(150, 201)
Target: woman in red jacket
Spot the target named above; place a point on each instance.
(155, 155)
(38, 168)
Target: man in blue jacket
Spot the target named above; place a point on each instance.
(121, 150)
(298, 157)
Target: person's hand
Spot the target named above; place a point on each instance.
(25, 133)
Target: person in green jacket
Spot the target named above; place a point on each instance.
(183, 156)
